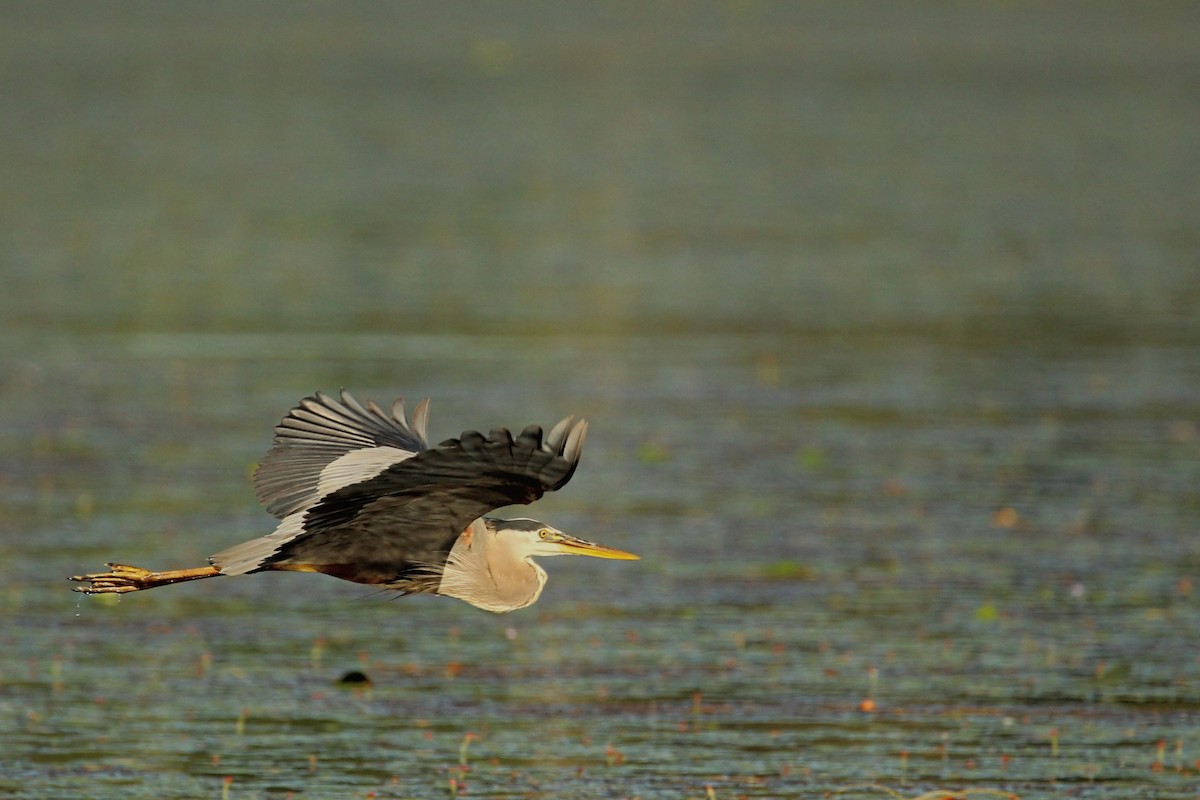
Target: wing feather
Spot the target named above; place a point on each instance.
(526, 446)
(420, 420)
(325, 443)
(574, 443)
(558, 434)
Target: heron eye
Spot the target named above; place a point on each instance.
(543, 533)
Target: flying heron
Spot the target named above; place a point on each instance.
(361, 495)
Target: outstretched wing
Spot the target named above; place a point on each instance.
(409, 516)
(324, 444)
(404, 515)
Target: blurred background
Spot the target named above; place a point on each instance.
(886, 318)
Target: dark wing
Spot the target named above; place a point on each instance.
(325, 443)
(410, 514)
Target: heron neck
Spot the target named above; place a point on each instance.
(489, 576)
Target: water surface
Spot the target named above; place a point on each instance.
(886, 325)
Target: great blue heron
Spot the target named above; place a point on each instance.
(361, 495)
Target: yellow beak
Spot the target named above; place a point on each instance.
(578, 547)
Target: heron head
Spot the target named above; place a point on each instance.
(528, 537)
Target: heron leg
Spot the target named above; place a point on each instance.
(124, 578)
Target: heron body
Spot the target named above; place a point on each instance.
(361, 495)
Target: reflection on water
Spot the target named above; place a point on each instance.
(886, 333)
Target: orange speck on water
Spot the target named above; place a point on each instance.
(1006, 517)
(867, 705)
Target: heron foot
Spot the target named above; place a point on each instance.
(125, 578)
(122, 578)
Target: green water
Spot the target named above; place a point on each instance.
(886, 321)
